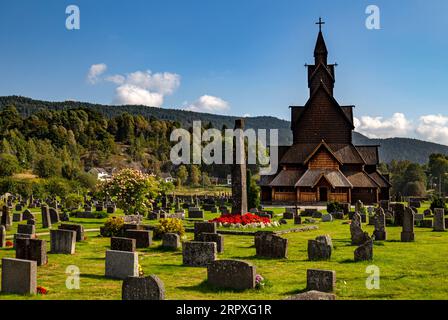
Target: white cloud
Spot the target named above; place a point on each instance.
(379, 127)
(138, 88)
(134, 95)
(95, 71)
(433, 128)
(209, 104)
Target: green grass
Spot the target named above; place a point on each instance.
(408, 270)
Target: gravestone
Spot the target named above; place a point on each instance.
(239, 183)
(122, 244)
(62, 241)
(269, 245)
(121, 264)
(407, 235)
(359, 206)
(320, 280)
(6, 218)
(143, 288)
(54, 215)
(171, 241)
(212, 237)
(231, 274)
(19, 276)
(317, 215)
(17, 217)
(338, 215)
(78, 228)
(2, 236)
(439, 220)
(196, 214)
(380, 225)
(154, 215)
(111, 209)
(203, 227)
(26, 229)
(288, 215)
(358, 236)
(320, 248)
(312, 296)
(364, 252)
(398, 210)
(327, 218)
(143, 238)
(27, 215)
(198, 254)
(46, 221)
(32, 249)
(297, 220)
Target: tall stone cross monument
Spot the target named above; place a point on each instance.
(239, 184)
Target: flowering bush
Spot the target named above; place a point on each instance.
(41, 290)
(9, 244)
(245, 219)
(170, 225)
(113, 227)
(259, 282)
(133, 190)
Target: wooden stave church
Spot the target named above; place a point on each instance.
(323, 164)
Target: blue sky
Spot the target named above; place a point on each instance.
(237, 56)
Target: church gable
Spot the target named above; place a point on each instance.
(323, 159)
(322, 119)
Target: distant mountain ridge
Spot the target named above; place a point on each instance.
(391, 149)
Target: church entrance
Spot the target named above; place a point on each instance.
(323, 194)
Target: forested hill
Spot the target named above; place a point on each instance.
(391, 149)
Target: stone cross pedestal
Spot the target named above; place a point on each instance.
(239, 183)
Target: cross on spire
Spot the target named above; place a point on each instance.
(320, 23)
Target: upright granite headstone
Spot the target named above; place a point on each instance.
(203, 227)
(231, 274)
(380, 225)
(171, 241)
(198, 254)
(78, 228)
(143, 288)
(365, 251)
(320, 280)
(358, 236)
(6, 219)
(46, 220)
(121, 264)
(439, 220)
(2, 236)
(122, 244)
(32, 249)
(54, 215)
(239, 187)
(320, 248)
(270, 245)
(63, 241)
(407, 235)
(19, 276)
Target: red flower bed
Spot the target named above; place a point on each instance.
(9, 244)
(245, 219)
(41, 290)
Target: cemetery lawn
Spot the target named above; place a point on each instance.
(408, 270)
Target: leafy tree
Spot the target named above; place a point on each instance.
(182, 175)
(48, 166)
(8, 165)
(195, 175)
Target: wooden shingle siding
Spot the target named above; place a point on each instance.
(323, 160)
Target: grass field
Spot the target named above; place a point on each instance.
(408, 270)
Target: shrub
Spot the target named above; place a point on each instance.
(100, 214)
(439, 203)
(170, 225)
(132, 189)
(8, 165)
(73, 200)
(113, 227)
(334, 206)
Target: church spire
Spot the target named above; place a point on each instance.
(320, 51)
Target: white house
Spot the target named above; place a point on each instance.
(100, 173)
(166, 176)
